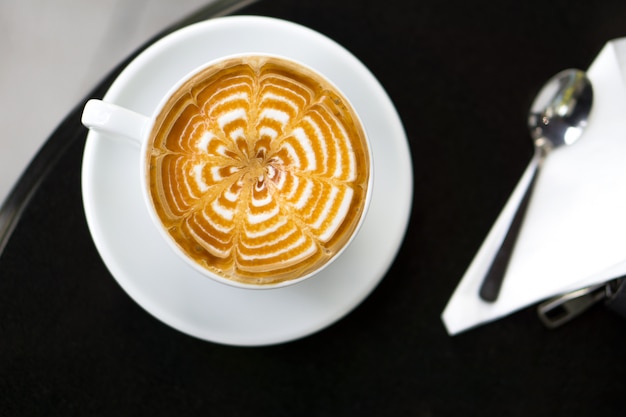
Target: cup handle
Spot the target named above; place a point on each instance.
(110, 118)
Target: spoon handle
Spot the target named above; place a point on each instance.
(490, 287)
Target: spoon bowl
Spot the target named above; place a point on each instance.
(557, 117)
(560, 111)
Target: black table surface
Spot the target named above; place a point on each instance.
(462, 75)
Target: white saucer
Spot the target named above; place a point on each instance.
(164, 285)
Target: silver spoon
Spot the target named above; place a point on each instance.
(557, 117)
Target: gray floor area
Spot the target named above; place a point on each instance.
(54, 52)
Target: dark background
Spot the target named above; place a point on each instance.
(462, 75)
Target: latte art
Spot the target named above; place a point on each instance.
(258, 170)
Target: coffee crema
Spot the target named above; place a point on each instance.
(258, 169)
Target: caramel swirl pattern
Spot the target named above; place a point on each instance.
(258, 170)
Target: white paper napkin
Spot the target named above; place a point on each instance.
(574, 233)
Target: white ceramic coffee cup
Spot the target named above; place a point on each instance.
(115, 121)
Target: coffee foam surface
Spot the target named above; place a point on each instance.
(258, 170)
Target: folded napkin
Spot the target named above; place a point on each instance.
(574, 233)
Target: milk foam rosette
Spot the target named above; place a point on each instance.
(259, 170)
